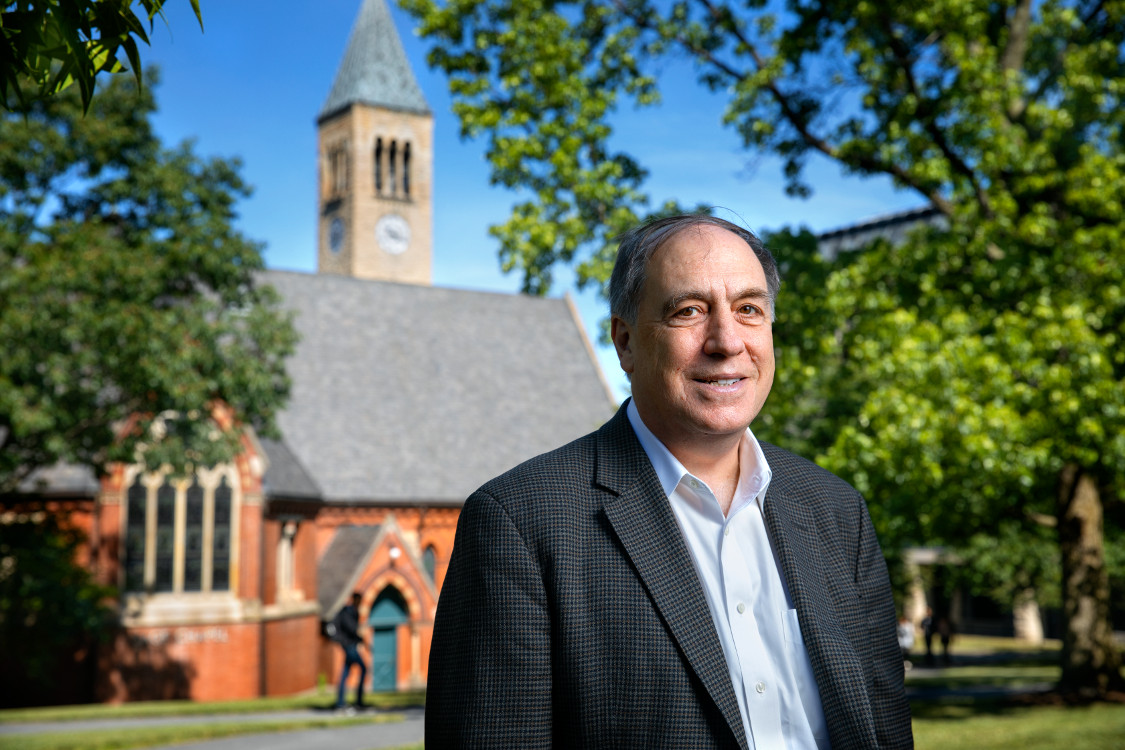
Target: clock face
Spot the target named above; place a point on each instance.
(336, 234)
(393, 234)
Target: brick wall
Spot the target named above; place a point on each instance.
(292, 650)
(200, 662)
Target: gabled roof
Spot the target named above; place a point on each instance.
(285, 477)
(374, 70)
(415, 394)
(337, 568)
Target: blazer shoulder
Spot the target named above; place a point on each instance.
(569, 467)
(799, 476)
(560, 473)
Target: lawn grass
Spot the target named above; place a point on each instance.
(987, 644)
(995, 725)
(1003, 723)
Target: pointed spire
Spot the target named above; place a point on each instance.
(375, 70)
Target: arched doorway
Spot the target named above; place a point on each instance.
(387, 613)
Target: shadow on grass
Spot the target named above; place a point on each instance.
(964, 707)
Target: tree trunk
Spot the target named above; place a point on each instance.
(1091, 664)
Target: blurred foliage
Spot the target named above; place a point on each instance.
(951, 377)
(129, 307)
(50, 607)
(46, 46)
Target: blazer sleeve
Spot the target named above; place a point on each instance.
(489, 682)
(888, 697)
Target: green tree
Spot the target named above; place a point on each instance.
(129, 308)
(969, 378)
(50, 609)
(46, 47)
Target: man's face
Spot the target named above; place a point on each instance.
(700, 355)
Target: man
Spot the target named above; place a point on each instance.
(669, 581)
(347, 634)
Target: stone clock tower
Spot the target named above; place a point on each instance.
(375, 161)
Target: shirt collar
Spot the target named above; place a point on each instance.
(754, 470)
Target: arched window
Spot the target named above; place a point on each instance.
(338, 169)
(165, 535)
(178, 534)
(193, 538)
(378, 165)
(392, 158)
(136, 512)
(406, 169)
(221, 546)
(429, 561)
(286, 563)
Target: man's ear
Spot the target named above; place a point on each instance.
(622, 335)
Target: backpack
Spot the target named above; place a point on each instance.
(331, 629)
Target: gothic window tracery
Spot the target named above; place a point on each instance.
(178, 534)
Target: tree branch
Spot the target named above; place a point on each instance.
(925, 116)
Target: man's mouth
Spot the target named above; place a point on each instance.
(722, 381)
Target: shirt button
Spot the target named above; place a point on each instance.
(760, 687)
(726, 531)
(695, 484)
(742, 608)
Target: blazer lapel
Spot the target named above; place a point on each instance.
(643, 520)
(836, 665)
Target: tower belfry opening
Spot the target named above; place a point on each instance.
(375, 155)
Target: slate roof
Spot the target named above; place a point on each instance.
(374, 70)
(894, 228)
(415, 394)
(62, 480)
(341, 561)
(285, 476)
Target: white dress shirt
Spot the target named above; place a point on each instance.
(750, 604)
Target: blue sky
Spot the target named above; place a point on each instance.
(252, 82)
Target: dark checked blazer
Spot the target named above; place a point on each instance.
(571, 615)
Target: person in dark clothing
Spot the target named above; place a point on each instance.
(928, 635)
(944, 629)
(347, 635)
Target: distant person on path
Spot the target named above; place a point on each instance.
(944, 630)
(347, 635)
(928, 635)
(670, 581)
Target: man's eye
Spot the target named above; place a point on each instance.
(750, 310)
(688, 312)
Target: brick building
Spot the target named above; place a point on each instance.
(405, 397)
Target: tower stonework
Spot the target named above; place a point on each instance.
(375, 161)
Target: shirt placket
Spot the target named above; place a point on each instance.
(759, 679)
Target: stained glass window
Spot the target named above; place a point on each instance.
(220, 545)
(193, 538)
(165, 536)
(136, 511)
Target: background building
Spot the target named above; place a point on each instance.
(405, 398)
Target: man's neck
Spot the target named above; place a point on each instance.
(715, 459)
(719, 470)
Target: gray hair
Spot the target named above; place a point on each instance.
(637, 246)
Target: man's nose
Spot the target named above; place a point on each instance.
(723, 335)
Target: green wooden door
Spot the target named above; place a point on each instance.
(388, 612)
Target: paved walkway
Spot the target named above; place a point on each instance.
(391, 734)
